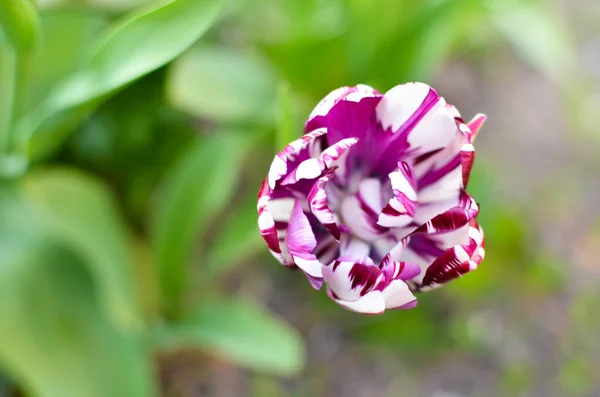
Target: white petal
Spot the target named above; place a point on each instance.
(400, 103)
(397, 294)
(310, 266)
(371, 303)
(370, 191)
(353, 247)
(281, 209)
(357, 220)
(446, 188)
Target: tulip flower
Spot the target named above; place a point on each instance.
(371, 202)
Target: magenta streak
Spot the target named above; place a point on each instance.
(372, 216)
(433, 176)
(365, 276)
(402, 134)
(421, 244)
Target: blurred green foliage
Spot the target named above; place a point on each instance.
(133, 137)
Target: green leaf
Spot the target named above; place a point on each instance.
(19, 21)
(68, 35)
(243, 333)
(104, 5)
(135, 46)
(198, 187)
(81, 213)
(237, 240)
(56, 342)
(222, 85)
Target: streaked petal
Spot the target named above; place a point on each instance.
(350, 278)
(394, 254)
(286, 160)
(349, 94)
(317, 202)
(454, 218)
(266, 223)
(314, 167)
(467, 157)
(458, 260)
(401, 208)
(301, 242)
(400, 271)
(360, 219)
(418, 122)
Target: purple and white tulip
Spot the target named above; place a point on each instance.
(371, 200)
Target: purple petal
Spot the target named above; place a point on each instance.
(475, 125)
(354, 117)
(400, 271)
(301, 242)
(319, 116)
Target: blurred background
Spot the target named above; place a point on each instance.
(134, 135)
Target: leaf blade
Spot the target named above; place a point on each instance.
(134, 47)
(199, 186)
(81, 213)
(242, 332)
(54, 334)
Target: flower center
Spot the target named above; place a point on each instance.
(359, 211)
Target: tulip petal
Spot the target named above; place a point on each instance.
(317, 202)
(418, 122)
(301, 242)
(318, 117)
(401, 208)
(400, 271)
(290, 156)
(475, 125)
(458, 260)
(266, 223)
(314, 167)
(467, 157)
(397, 294)
(394, 254)
(361, 219)
(350, 278)
(371, 303)
(353, 247)
(454, 218)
